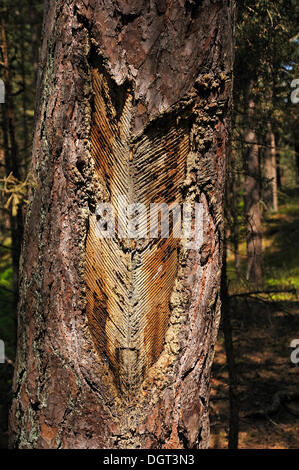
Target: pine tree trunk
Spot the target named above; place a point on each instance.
(252, 198)
(232, 205)
(34, 21)
(233, 434)
(116, 338)
(278, 170)
(270, 170)
(296, 149)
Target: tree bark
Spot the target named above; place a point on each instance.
(126, 102)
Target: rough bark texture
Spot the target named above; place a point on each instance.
(174, 60)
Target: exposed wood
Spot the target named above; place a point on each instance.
(129, 281)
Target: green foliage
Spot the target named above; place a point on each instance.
(281, 251)
(281, 257)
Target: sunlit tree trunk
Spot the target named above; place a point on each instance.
(132, 99)
(270, 170)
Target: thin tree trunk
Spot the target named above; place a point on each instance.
(252, 197)
(233, 207)
(35, 40)
(116, 337)
(24, 100)
(270, 170)
(233, 435)
(296, 148)
(278, 170)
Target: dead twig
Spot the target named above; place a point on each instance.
(9, 361)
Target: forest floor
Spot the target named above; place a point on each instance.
(263, 328)
(262, 339)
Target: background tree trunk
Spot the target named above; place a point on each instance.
(233, 434)
(122, 79)
(270, 170)
(296, 149)
(278, 169)
(252, 197)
